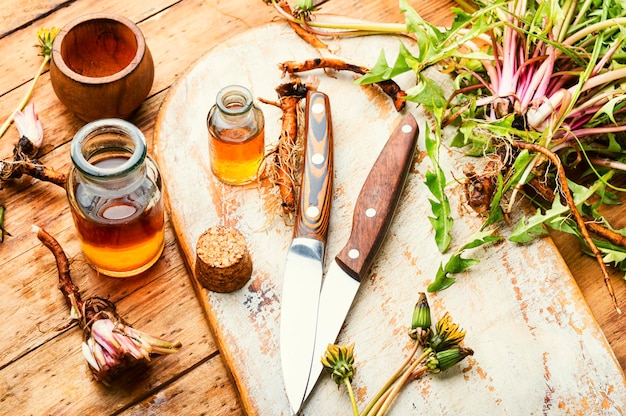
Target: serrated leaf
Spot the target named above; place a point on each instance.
(440, 206)
(527, 229)
(457, 263)
(441, 282)
(428, 93)
(381, 71)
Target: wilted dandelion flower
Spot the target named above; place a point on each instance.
(339, 362)
(46, 39)
(447, 334)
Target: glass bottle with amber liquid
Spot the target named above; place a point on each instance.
(236, 136)
(115, 194)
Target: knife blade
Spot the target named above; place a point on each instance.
(372, 216)
(305, 259)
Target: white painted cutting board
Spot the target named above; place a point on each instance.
(538, 350)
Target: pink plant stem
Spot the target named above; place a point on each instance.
(536, 118)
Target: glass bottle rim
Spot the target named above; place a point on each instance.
(237, 94)
(81, 156)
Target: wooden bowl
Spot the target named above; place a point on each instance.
(101, 67)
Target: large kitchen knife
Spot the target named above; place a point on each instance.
(305, 258)
(373, 212)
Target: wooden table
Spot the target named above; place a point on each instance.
(42, 369)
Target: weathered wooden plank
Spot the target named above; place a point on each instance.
(18, 58)
(207, 386)
(32, 297)
(57, 371)
(591, 284)
(168, 35)
(18, 13)
(514, 304)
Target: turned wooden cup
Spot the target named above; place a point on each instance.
(101, 67)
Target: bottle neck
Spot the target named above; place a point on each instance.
(109, 154)
(234, 101)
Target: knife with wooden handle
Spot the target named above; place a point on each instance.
(373, 213)
(305, 258)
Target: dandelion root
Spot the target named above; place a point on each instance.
(289, 95)
(3, 232)
(580, 221)
(110, 345)
(389, 87)
(304, 34)
(67, 287)
(25, 163)
(15, 170)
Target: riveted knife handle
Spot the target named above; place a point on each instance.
(313, 210)
(378, 200)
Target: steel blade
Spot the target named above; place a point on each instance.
(336, 299)
(303, 271)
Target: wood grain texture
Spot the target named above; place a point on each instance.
(380, 192)
(317, 173)
(520, 305)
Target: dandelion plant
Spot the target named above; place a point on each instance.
(441, 348)
(45, 38)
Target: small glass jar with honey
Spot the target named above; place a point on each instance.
(236, 136)
(115, 194)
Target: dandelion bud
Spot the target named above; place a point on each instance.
(339, 362)
(443, 360)
(420, 323)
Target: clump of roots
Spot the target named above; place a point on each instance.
(110, 345)
(285, 160)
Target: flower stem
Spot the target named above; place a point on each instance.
(355, 409)
(353, 27)
(24, 101)
(390, 381)
(402, 381)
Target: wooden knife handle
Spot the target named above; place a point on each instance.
(313, 210)
(378, 200)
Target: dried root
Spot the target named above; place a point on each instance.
(480, 187)
(25, 151)
(304, 34)
(389, 87)
(3, 232)
(288, 155)
(110, 345)
(580, 221)
(17, 168)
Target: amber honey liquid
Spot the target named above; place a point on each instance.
(122, 236)
(236, 155)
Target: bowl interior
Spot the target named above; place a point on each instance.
(99, 47)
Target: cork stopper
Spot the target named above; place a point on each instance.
(223, 263)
